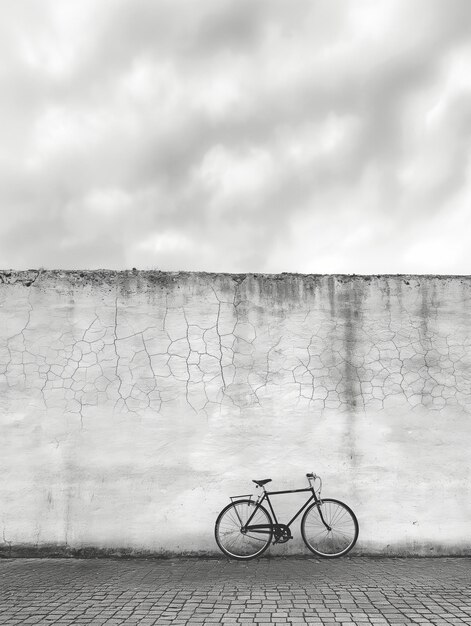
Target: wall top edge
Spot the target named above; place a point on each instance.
(7, 274)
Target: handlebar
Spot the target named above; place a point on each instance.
(313, 477)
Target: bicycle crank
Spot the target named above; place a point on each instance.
(282, 533)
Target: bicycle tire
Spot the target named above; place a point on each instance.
(343, 533)
(235, 544)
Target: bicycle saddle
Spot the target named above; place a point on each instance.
(260, 483)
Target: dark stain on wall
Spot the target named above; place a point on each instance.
(243, 340)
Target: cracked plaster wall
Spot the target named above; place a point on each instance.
(133, 404)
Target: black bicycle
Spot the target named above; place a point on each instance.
(244, 528)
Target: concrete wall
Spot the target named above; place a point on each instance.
(133, 404)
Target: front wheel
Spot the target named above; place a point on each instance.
(329, 528)
(237, 541)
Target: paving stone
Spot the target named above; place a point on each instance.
(355, 591)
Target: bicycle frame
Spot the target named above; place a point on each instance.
(265, 528)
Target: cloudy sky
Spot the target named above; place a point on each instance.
(315, 136)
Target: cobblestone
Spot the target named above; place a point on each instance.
(350, 592)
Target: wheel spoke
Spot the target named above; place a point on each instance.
(334, 537)
(238, 544)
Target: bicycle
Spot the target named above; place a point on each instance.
(244, 528)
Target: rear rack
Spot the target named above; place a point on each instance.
(245, 495)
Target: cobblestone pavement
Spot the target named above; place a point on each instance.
(207, 591)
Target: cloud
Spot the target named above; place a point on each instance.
(226, 136)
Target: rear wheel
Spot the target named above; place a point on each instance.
(329, 528)
(237, 542)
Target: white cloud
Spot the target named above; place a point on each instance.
(166, 242)
(235, 177)
(236, 137)
(442, 246)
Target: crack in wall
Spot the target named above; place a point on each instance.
(235, 345)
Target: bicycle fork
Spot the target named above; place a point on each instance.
(329, 528)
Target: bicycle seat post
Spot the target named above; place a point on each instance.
(260, 495)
